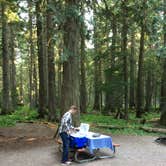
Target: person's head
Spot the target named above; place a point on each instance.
(73, 109)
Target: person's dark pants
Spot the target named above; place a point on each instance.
(65, 140)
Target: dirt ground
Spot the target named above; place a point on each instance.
(32, 145)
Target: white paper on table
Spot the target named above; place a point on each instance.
(84, 128)
(78, 135)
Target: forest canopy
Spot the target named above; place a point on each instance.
(104, 56)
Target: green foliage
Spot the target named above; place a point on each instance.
(59, 13)
(130, 127)
(151, 115)
(126, 131)
(72, 12)
(105, 13)
(21, 114)
(101, 119)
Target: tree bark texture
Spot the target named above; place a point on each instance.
(71, 81)
(163, 86)
(132, 72)
(41, 63)
(32, 91)
(149, 91)
(83, 92)
(110, 96)
(140, 87)
(97, 72)
(6, 103)
(125, 57)
(51, 64)
(12, 45)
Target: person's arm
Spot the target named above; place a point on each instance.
(68, 123)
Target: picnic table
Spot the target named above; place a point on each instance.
(91, 143)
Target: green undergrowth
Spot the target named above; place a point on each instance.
(22, 114)
(120, 126)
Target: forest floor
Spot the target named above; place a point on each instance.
(29, 144)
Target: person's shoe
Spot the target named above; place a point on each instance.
(68, 162)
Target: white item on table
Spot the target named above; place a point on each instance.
(84, 128)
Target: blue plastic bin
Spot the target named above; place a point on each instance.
(78, 142)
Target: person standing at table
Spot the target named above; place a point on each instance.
(64, 130)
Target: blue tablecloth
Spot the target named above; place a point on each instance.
(103, 141)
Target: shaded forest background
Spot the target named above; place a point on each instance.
(105, 56)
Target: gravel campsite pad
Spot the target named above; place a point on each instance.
(32, 145)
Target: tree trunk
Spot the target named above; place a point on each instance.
(35, 81)
(83, 93)
(140, 77)
(132, 72)
(41, 63)
(149, 91)
(163, 105)
(125, 57)
(32, 59)
(21, 94)
(71, 81)
(59, 72)
(51, 64)
(140, 87)
(97, 63)
(163, 86)
(155, 95)
(13, 68)
(110, 96)
(6, 105)
(45, 50)
(96, 106)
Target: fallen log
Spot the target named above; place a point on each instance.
(147, 129)
(155, 130)
(110, 126)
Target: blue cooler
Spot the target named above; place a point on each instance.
(78, 143)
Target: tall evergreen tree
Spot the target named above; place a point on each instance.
(125, 56)
(71, 81)
(132, 72)
(31, 57)
(140, 106)
(51, 62)
(12, 45)
(6, 102)
(83, 92)
(97, 66)
(41, 62)
(163, 84)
